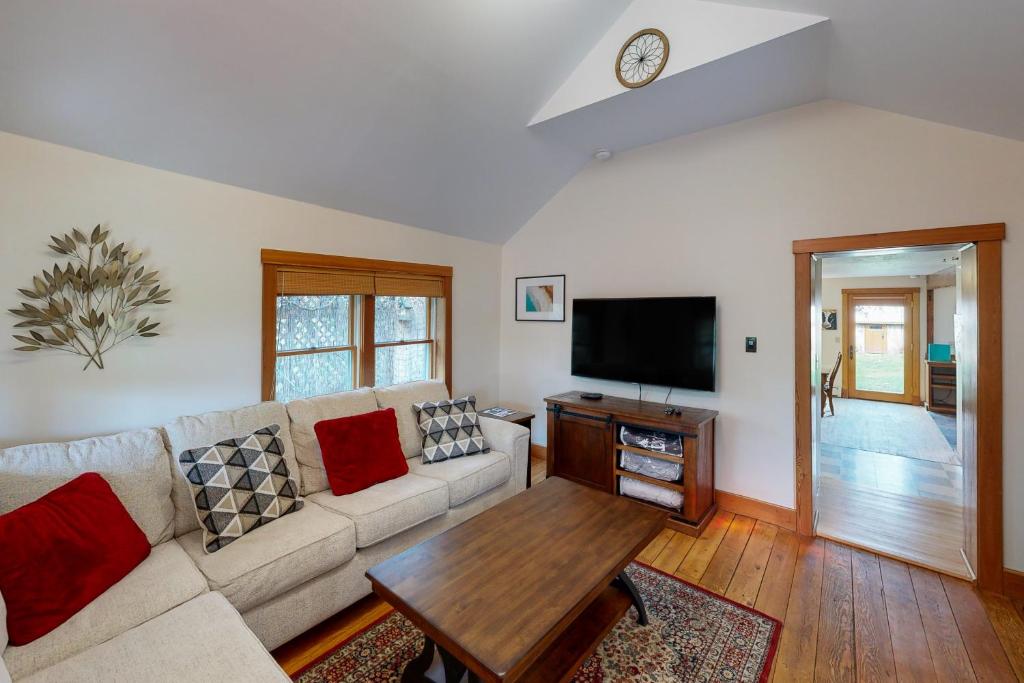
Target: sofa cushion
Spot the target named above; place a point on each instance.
(361, 450)
(275, 558)
(62, 551)
(203, 639)
(401, 397)
(239, 485)
(388, 508)
(209, 428)
(305, 413)
(133, 463)
(163, 581)
(467, 478)
(451, 429)
(5, 676)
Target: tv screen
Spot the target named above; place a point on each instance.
(668, 341)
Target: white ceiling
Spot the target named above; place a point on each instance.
(417, 112)
(412, 111)
(959, 62)
(889, 262)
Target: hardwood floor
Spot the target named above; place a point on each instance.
(903, 507)
(848, 614)
(923, 531)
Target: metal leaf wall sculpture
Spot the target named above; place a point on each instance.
(91, 304)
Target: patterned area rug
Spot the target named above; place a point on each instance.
(694, 635)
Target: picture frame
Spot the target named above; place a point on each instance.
(540, 298)
(829, 319)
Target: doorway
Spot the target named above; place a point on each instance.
(888, 479)
(881, 338)
(980, 392)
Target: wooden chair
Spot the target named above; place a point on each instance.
(828, 383)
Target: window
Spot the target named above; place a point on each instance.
(316, 352)
(403, 339)
(334, 323)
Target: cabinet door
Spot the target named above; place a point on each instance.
(581, 446)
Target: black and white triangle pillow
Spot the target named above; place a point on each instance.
(239, 485)
(450, 429)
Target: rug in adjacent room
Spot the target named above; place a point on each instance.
(694, 635)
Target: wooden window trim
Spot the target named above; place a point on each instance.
(363, 344)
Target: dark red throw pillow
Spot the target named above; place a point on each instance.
(361, 450)
(59, 553)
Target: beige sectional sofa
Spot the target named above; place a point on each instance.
(185, 615)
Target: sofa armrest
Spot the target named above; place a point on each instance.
(511, 439)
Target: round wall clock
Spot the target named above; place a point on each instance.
(642, 58)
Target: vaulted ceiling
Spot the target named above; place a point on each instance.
(419, 112)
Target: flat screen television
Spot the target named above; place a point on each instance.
(667, 341)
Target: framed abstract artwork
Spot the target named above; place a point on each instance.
(541, 298)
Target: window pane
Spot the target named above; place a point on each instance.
(879, 346)
(400, 318)
(397, 364)
(313, 322)
(313, 374)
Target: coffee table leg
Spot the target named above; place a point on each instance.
(415, 670)
(454, 670)
(627, 584)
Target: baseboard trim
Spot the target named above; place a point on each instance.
(758, 509)
(1013, 583)
(538, 452)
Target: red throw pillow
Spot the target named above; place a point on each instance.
(361, 450)
(59, 553)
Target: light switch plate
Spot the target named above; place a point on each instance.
(751, 345)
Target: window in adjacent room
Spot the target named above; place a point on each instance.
(333, 323)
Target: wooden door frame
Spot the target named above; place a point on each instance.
(988, 238)
(913, 381)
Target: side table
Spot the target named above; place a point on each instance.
(523, 419)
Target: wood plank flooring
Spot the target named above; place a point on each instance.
(924, 531)
(848, 614)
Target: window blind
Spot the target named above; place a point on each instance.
(387, 285)
(292, 282)
(323, 282)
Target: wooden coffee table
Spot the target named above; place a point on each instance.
(524, 591)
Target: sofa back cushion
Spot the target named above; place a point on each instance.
(197, 431)
(63, 551)
(305, 413)
(135, 465)
(401, 397)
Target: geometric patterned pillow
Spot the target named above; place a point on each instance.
(450, 429)
(239, 485)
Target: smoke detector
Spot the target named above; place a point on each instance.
(602, 154)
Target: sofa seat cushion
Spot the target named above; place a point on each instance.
(401, 397)
(469, 476)
(275, 558)
(305, 413)
(164, 580)
(197, 431)
(203, 639)
(133, 463)
(388, 508)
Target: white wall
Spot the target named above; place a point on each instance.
(944, 308)
(832, 297)
(205, 238)
(715, 213)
